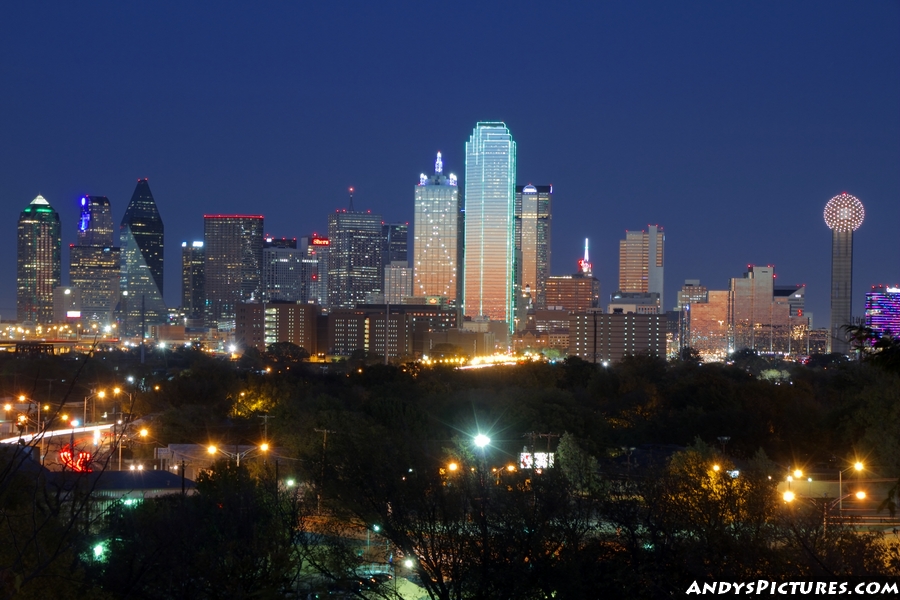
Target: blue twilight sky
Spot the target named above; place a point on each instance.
(730, 124)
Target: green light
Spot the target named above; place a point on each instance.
(98, 551)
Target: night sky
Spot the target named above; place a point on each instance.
(730, 124)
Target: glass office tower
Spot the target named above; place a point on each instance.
(141, 238)
(233, 246)
(489, 272)
(436, 233)
(38, 265)
(641, 262)
(533, 241)
(193, 265)
(354, 259)
(94, 263)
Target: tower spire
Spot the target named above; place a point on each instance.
(351, 200)
(438, 164)
(585, 263)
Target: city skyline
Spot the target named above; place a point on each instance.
(731, 144)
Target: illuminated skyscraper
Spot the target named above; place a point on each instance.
(193, 265)
(141, 237)
(641, 262)
(843, 215)
(233, 245)
(37, 261)
(758, 322)
(354, 258)
(314, 277)
(282, 270)
(94, 264)
(883, 310)
(533, 205)
(436, 228)
(488, 279)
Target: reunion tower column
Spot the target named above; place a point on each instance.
(843, 215)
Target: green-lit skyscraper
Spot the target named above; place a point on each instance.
(489, 273)
(38, 264)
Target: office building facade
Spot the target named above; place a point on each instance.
(282, 274)
(193, 280)
(314, 275)
(597, 337)
(641, 262)
(489, 271)
(38, 264)
(533, 218)
(437, 229)
(94, 261)
(843, 214)
(142, 240)
(883, 310)
(233, 246)
(354, 257)
(261, 324)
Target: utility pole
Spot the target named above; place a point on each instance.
(265, 419)
(324, 433)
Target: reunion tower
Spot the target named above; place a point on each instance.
(843, 215)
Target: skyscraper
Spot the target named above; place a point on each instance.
(641, 262)
(436, 231)
(38, 265)
(488, 278)
(843, 215)
(395, 240)
(282, 271)
(354, 259)
(757, 321)
(533, 240)
(883, 310)
(94, 263)
(233, 245)
(141, 237)
(314, 275)
(193, 280)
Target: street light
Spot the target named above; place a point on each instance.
(857, 466)
(237, 456)
(101, 394)
(482, 440)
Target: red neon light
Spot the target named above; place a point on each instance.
(321, 242)
(81, 464)
(232, 216)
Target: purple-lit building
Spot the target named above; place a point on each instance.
(883, 310)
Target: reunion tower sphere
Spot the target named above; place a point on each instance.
(844, 213)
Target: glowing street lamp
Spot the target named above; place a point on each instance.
(237, 456)
(482, 440)
(857, 466)
(101, 394)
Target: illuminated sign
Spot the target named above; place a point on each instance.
(73, 314)
(539, 460)
(321, 242)
(79, 464)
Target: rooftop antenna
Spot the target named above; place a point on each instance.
(439, 164)
(585, 262)
(351, 200)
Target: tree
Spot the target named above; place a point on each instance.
(233, 539)
(286, 353)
